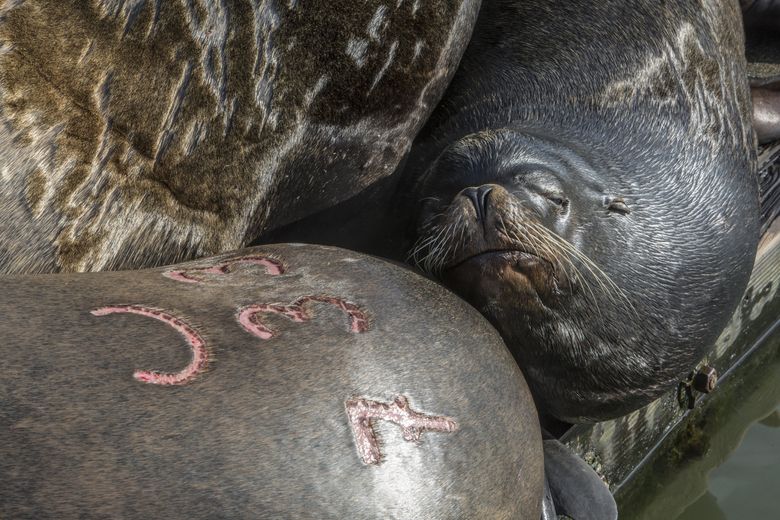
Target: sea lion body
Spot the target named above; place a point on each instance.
(588, 183)
(279, 382)
(139, 133)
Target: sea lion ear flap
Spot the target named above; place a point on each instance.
(766, 109)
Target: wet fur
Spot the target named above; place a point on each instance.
(661, 107)
(141, 132)
(263, 433)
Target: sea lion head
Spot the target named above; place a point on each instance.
(604, 283)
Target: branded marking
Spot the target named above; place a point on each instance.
(362, 412)
(296, 311)
(200, 354)
(272, 266)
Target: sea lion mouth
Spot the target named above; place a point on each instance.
(518, 278)
(515, 257)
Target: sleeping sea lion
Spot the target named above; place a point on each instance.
(588, 183)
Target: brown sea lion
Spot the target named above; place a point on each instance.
(280, 382)
(138, 133)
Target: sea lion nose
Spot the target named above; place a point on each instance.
(478, 197)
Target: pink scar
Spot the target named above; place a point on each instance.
(296, 311)
(200, 355)
(361, 413)
(272, 267)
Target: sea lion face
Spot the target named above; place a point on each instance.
(514, 203)
(528, 232)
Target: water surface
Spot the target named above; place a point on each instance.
(747, 484)
(724, 463)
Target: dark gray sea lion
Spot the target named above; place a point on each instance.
(573, 487)
(588, 183)
(280, 382)
(138, 133)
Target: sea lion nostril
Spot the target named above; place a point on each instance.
(482, 194)
(479, 198)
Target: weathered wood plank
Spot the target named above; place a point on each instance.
(769, 166)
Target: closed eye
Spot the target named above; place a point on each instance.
(618, 206)
(558, 200)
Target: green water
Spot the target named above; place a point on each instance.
(747, 484)
(725, 464)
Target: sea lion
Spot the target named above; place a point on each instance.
(141, 133)
(588, 189)
(588, 183)
(761, 19)
(572, 487)
(280, 382)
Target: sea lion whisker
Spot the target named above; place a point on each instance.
(563, 255)
(431, 259)
(415, 250)
(571, 250)
(540, 246)
(427, 243)
(538, 241)
(602, 277)
(598, 274)
(419, 246)
(450, 245)
(574, 252)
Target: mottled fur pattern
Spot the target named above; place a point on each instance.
(142, 132)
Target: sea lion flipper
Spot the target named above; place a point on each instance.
(766, 109)
(548, 504)
(577, 491)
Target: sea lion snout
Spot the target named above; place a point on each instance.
(479, 198)
(476, 220)
(488, 244)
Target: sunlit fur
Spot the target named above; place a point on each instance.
(137, 133)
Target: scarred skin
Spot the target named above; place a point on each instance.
(592, 191)
(143, 394)
(138, 133)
